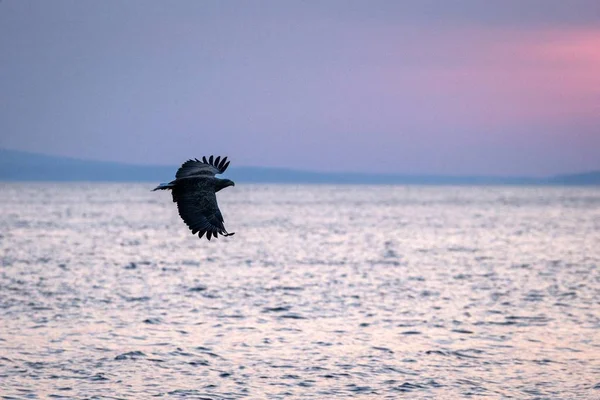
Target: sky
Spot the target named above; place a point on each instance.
(456, 87)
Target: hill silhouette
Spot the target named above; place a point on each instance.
(24, 166)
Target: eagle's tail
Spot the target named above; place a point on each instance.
(163, 186)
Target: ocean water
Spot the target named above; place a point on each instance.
(324, 292)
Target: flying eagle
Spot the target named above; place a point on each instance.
(194, 190)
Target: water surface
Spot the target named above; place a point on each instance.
(324, 292)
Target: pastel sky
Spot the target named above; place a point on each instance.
(500, 87)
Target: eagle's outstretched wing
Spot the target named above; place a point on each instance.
(197, 205)
(204, 167)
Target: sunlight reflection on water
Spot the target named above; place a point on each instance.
(324, 291)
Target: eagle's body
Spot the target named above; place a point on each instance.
(194, 190)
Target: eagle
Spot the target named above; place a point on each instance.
(194, 190)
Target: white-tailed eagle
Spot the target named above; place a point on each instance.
(194, 190)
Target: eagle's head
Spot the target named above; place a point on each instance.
(223, 183)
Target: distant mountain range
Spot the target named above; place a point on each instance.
(24, 166)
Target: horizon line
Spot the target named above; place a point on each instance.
(390, 175)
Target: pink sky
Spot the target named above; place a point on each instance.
(425, 87)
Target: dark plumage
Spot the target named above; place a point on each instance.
(194, 190)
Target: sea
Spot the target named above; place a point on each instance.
(324, 292)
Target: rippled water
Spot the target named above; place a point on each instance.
(324, 292)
